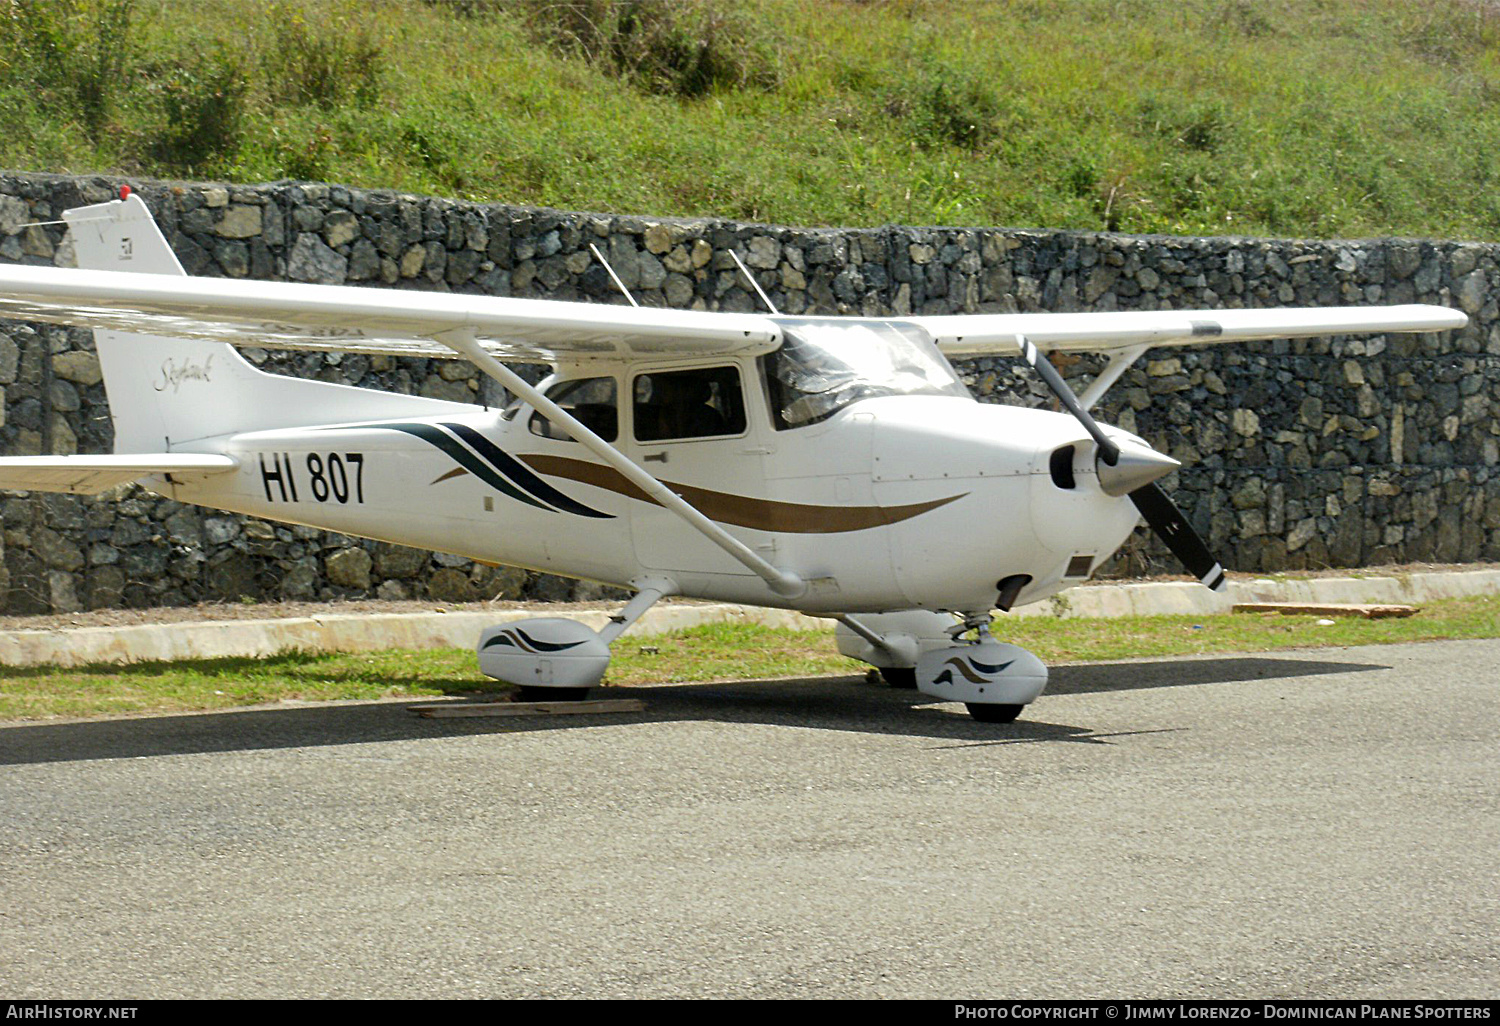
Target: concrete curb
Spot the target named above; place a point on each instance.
(359, 632)
(1168, 597)
(80, 646)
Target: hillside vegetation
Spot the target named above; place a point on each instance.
(1266, 117)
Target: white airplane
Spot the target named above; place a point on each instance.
(833, 465)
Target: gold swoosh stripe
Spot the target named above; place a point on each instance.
(964, 669)
(740, 510)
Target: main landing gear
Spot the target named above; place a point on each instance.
(899, 676)
(558, 660)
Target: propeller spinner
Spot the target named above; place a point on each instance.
(1133, 470)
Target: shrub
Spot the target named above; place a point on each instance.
(944, 105)
(323, 61)
(306, 155)
(467, 8)
(684, 48)
(1196, 124)
(79, 48)
(203, 104)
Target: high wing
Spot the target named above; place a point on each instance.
(289, 315)
(997, 334)
(89, 475)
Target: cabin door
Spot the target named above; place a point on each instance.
(691, 428)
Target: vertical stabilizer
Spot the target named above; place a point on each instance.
(162, 391)
(120, 235)
(168, 394)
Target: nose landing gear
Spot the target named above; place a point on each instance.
(994, 680)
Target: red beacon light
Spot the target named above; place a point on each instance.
(124, 192)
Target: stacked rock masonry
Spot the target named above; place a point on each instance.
(1327, 452)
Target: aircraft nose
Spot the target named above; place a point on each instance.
(1135, 468)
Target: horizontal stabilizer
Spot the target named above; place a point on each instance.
(89, 475)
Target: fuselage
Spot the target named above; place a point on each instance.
(890, 502)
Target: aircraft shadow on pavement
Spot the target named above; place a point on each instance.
(840, 703)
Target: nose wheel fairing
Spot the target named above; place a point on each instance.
(984, 672)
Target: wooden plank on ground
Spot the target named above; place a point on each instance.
(444, 710)
(1376, 611)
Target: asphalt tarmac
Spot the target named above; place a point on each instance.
(1306, 824)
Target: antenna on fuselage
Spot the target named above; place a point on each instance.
(754, 284)
(618, 283)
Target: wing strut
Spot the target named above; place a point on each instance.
(782, 582)
(1118, 364)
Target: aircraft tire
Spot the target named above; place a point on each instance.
(899, 676)
(994, 712)
(536, 693)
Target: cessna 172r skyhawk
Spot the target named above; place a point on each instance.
(834, 465)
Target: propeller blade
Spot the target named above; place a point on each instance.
(1109, 452)
(1172, 527)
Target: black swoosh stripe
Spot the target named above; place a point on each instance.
(521, 474)
(546, 646)
(968, 664)
(505, 639)
(528, 643)
(986, 668)
(464, 458)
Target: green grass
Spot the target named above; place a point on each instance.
(715, 652)
(1273, 117)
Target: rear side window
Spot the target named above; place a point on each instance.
(591, 400)
(698, 403)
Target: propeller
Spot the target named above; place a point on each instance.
(1133, 471)
(1173, 529)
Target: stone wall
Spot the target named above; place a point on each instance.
(1325, 452)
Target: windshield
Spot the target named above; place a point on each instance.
(823, 366)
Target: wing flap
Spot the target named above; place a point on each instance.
(89, 475)
(995, 334)
(292, 315)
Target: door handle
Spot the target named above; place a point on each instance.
(658, 457)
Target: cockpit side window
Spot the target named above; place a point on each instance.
(699, 403)
(592, 401)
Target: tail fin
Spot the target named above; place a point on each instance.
(144, 375)
(167, 393)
